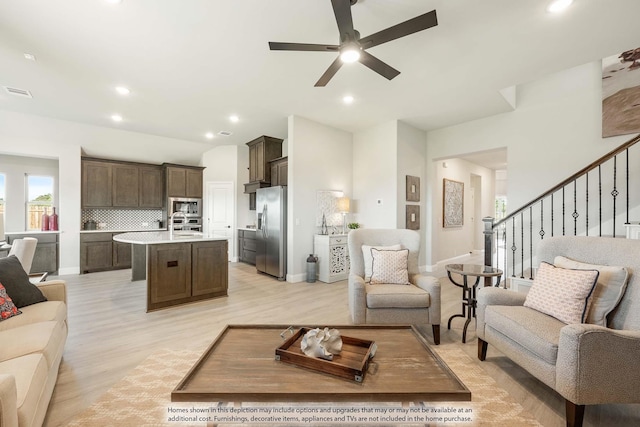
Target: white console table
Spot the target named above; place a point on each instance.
(333, 257)
(633, 231)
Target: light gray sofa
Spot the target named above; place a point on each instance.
(415, 304)
(585, 363)
(31, 347)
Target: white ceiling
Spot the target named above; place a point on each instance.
(190, 64)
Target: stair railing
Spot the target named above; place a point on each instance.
(567, 208)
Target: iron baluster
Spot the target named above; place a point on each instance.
(614, 192)
(531, 242)
(586, 205)
(541, 232)
(575, 213)
(600, 201)
(513, 247)
(627, 190)
(552, 194)
(522, 245)
(563, 211)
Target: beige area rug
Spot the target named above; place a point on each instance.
(143, 397)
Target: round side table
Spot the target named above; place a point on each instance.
(469, 292)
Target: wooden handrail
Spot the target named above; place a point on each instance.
(573, 177)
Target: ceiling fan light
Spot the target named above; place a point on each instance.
(350, 54)
(557, 6)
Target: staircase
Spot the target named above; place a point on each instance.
(598, 200)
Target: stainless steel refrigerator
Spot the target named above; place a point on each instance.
(271, 235)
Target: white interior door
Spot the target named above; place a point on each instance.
(220, 212)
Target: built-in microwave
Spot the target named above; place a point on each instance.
(190, 207)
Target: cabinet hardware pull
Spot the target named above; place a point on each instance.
(172, 263)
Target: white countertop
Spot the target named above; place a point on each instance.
(123, 231)
(157, 237)
(246, 229)
(13, 233)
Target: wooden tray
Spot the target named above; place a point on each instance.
(352, 362)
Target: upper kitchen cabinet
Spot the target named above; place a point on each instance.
(151, 188)
(114, 184)
(183, 181)
(96, 184)
(261, 151)
(126, 183)
(279, 171)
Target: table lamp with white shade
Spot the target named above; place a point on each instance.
(343, 208)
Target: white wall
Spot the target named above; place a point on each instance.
(457, 241)
(375, 176)
(320, 158)
(554, 131)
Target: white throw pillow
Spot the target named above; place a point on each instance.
(368, 258)
(612, 282)
(390, 267)
(562, 293)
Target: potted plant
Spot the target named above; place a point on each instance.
(353, 225)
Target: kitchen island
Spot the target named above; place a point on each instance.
(179, 267)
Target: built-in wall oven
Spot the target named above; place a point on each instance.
(191, 208)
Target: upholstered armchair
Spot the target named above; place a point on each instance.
(585, 363)
(417, 302)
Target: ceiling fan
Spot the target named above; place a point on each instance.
(353, 48)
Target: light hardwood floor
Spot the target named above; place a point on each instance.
(110, 334)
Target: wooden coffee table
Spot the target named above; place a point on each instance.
(240, 366)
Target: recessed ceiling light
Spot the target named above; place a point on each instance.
(234, 118)
(208, 135)
(557, 6)
(348, 99)
(30, 56)
(123, 90)
(116, 118)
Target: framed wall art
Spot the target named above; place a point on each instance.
(621, 93)
(452, 203)
(413, 217)
(413, 188)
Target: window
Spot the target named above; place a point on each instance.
(39, 200)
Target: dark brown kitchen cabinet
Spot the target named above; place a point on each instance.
(126, 183)
(184, 181)
(121, 185)
(170, 272)
(99, 252)
(45, 257)
(279, 171)
(247, 246)
(151, 187)
(97, 186)
(261, 151)
(121, 255)
(209, 268)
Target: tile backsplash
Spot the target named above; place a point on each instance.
(122, 219)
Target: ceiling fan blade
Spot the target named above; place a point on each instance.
(303, 47)
(405, 28)
(378, 66)
(342, 10)
(331, 71)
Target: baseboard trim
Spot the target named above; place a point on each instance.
(296, 278)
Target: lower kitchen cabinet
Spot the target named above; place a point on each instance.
(333, 257)
(247, 246)
(45, 257)
(98, 252)
(179, 273)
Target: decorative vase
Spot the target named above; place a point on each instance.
(323, 229)
(53, 221)
(44, 225)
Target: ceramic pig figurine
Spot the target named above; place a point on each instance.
(322, 343)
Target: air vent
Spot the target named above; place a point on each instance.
(18, 92)
(225, 133)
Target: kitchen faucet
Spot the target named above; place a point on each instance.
(171, 221)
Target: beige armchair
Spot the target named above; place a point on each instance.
(416, 303)
(585, 363)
